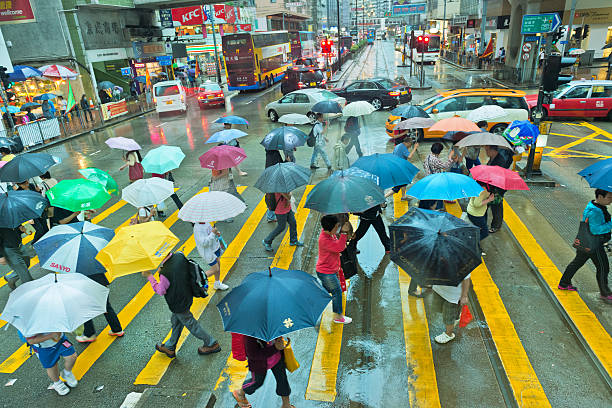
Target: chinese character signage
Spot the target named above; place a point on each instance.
(16, 11)
(402, 7)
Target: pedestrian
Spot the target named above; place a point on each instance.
(132, 160)
(222, 180)
(340, 158)
(599, 221)
(208, 245)
(31, 116)
(284, 215)
(402, 150)
(63, 105)
(453, 298)
(49, 347)
(40, 224)
(84, 103)
(318, 132)
(328, 262)
(234, 143)
(161, 207)
(273, 157)
(433, 164)
(48, 109)
(412, 287)
(47, 182)
(133, 89)
(89, 332)
(11, 254)
(372, 217)
(116, 94)
(289, 156)
(263, 356)
(351, 128)
(477, 211)
(6, 154)
(104, 97)
(177, 285)
(145, 214)
(497, 204)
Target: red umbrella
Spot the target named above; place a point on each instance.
(58, 71)
(222, 157)
(498, 177)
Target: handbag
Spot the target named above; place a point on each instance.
(290, 361)
(136, 171)
(585, 240)
(348, 261)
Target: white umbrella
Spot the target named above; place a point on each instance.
(576, 51)
(294, 119)
(145, 192)
(123, 143)
(359, 108)
(58, 71)
(211, 206)
(486, 112)
(55, 303)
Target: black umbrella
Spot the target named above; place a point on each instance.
(7, 142)
(435, 248)
(17, 207)
(26, 166)
(409, 111)
(327, 106)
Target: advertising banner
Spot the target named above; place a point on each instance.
(186, 16)
(402, 7)
(114, 109)
(16, 12)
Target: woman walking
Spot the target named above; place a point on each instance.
(132, 160)
(208, 245)
(284, 216)
(89, 332)
(222, 180)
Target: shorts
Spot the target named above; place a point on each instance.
(49, 356)
(396, 189)
(450, 311)
(218, 254)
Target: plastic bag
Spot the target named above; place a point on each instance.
(466, 316)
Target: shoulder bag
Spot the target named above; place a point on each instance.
(585, 240)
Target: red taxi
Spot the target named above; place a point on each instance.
(210, 94)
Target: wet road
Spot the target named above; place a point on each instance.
(520, 350)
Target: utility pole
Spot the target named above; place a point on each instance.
(338, 42)
(211, 12)
(568, 34)
(443, 29)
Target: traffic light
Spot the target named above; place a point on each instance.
(552, 68)
(4, 78)
(578, 33)
(585, 31)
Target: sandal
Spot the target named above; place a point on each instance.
(242, 402)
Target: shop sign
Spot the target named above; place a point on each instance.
(164, 60)
(143, 50)
(127, 71)
(107, 54)
(139, 65)
(407, 9)
(16, 12)
(491, 22)
(165, 18)
(224, 14)
(459, 20)
(114, 109)
(185, 16)
(503, 22)
(245, 27)
(471, 23)
(602, 15)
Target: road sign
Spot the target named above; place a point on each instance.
(525, 56)
(127, 71)
(563, 42)
(526, 47)
(540, 23)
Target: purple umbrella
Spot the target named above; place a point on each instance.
(123, 143)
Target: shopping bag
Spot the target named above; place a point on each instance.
(290, 362)
(585, 241)
(466, 316)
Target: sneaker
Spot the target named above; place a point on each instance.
(60, 388)
(568, 287)
(85, 339)
(272, 220)
(218, 285)
(483, 254)
(607, 299)
(116, 334)
(267, 246)
(313, 167)
(70, 379)
(444, 338)
(417, 295)
(297, 244)
(343, 320)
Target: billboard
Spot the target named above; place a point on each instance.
(403, 7)
(16, 12)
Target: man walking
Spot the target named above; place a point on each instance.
(351, 127)
(284, 216)
(319, 147)
(11, 255)
(371, 217)
(84, 103)
(402, 150)
(177, 285)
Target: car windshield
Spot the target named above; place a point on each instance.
(328, 95)
(561, 89)
(431, 100)
(210, 88)
(311, 76)
(167, 90)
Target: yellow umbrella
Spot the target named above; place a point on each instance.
(137, 248)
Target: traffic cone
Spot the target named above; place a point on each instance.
(466, 316)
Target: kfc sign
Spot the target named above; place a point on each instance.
(187, 16)
(224, 14)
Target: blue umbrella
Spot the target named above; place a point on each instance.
(11, 109)
(599, 175)
(25, 166)
(326, 106)
(344, 194)
(22, 72)
(284, 138)
(32, 105)
(17, 207)
(445, 186)
(354, 171)
(73, 248)
(390, 169)
(283, 178)
(409, 111)
(45, 97)
(272, 303)
(234, 120)
(527, 131)
(226, 136)
(106, 85)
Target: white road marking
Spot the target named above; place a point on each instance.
(246, 103)
(96, 152)
(161, 124)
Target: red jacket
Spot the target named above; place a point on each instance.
(329, 252)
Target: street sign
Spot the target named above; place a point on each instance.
(126, 71)
(526, 47)
(540, 23)
(164, 60)
(407, 9)
(525, 56)
(531, 38)
(563, 42)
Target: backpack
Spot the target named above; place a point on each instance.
(271, 202)
(200, 287)
(311, 140)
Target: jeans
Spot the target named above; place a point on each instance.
(469, 163)
(480, 222)
(19, 263)
(186, 319)
(257, 379)
(497, 214)
(354, 141)
(270, 215)
(319, 150)
(600, 259)
(379, 226)
(331, 283)
(281, 221)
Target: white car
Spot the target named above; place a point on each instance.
(169, 96)
(301, 102)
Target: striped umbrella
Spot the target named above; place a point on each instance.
(73, 247)
(58, 71)
(211, 206)
(283, 178)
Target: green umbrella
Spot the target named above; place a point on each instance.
(102, 177)
(78, 195)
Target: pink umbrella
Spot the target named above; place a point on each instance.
(2, 163)
(123, 143)
(58, 71)
(456, 124)
(222, 157)
(498, 177)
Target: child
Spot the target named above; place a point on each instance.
(207, 242)
(49, 347)
(341, 160)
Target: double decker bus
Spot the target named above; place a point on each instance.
(425, 47)
(257, 60)
(302, 44)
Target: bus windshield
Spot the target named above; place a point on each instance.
(434, 44)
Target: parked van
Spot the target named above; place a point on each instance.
(169, 96)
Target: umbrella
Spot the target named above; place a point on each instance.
(137, 248)
(101, 177)
(222, 157)
(122, 143)
(415, 123)
(7, 142)
(17, 207)
(162, 159)
(106, 85)
(456, 136)
(483, 139)
(232, 119)
(272, 303)
(22, 72)
(2, 163)
(521, 132)
(409, 111)
(390, 169)
(608, 45)
(454, 124)
(283, 178)
(44, 97)
(326, 106)
(73, 247)
(445, 186)
(435, 248)
(26, 166)
(359, 108)
(145, 192)
(486, 112)
(284, 138)
(211, 206)
(344, 194)
(78, 195)
(499, 177)
(58, 71)
(576, 51)
(55, 303)
(599, 175)
(32, 105)
(294, 119)
(11, 109)
(354, 171)
(226, 136)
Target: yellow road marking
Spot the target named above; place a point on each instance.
(422, 384)
(583, 139)
(234, 370)
(598, 130)
(578, 137)
(157, 366)
(15, 360)
(587, 323)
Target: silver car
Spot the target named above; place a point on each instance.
(301, 102)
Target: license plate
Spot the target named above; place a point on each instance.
(313, 84)
(404, 92)
(242, 84)
(168, 102)
(211, 96)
